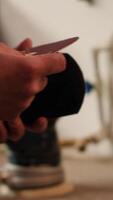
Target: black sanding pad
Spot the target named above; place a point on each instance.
(62, 96)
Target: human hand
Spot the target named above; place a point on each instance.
(27, 76)
(14, 129)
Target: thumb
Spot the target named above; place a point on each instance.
(25, 44)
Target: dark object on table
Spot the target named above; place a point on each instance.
(36, 160)
(62, 96)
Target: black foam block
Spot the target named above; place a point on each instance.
(62, 96)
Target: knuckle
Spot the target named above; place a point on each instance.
(23, 105)
(28, 70)
(43, 83)
(29, 90)
(35, 86)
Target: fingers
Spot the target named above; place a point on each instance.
(35, 86)
(31, 90)
(15, 129)
(39, 126)
(47, 64)
(8, 50)
(26, 78)
(25, 44)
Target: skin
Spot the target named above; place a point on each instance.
(27, 77)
